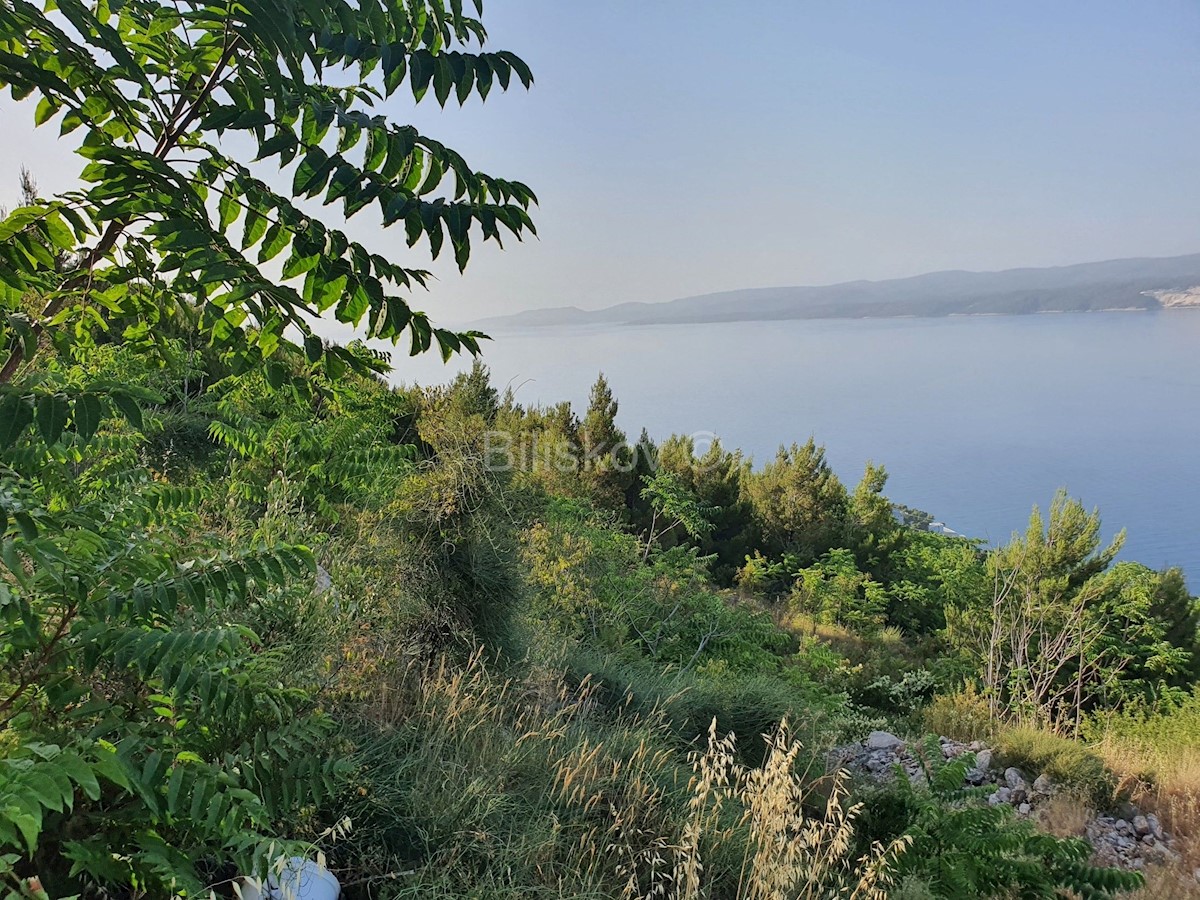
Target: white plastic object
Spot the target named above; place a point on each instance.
(303, 879)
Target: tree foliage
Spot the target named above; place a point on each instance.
(149, 732)
(1060, 632)
(607, 463)
(210, 134)
(803, 507)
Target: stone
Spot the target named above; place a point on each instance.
(994, 800)
(1042, 784)
(1013, 778)
(1156, 828)
(323, 581)
(983, 760)
(975, 746)
(883, 740)
(1196, 875)
(1141, 825)
(1024, 809)
(1122, 827)
(1018, 795)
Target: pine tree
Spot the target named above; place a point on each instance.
(801, 504)
(607, 463)
(876, 534)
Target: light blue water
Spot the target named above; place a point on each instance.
(976, 419)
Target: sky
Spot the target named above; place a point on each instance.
(680, 148)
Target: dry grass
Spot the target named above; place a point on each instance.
(787, 852)
(1156, 758)
(1163, 779)
(1064, 816)
(525, 785)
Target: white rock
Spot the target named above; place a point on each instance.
(1141, 825)
(883, 740)
(1042, 784)
(1024, 809)
(983, 760)
(1014, 779)
(323, 581)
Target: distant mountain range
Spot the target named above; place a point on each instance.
(1118, 284)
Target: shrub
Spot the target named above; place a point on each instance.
(687, 702)
(961, 847)
(1067, 762)
(963, 716)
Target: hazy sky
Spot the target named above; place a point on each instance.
(686, 147)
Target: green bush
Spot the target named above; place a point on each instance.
(687, 702)
(963, 716)
(960, 847)
(1067, 762)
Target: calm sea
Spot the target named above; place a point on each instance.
(976, 418)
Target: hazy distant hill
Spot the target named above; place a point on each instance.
(1111, 285)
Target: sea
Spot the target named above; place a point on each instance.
(976, 418)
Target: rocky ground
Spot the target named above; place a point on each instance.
(1127, 839)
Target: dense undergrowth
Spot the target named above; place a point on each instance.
(331, 621)
(256, 603)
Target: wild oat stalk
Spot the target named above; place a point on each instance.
(788, 853)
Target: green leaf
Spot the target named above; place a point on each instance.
(82, 775)
(228, 208)
(30, 826)
(420, 70)
(29, 529)
(519, 67)
(58, 233)
(129, 408)
(298, 265)
(253, 228)
(274, 243)
(44, 112)
(276, 374)
(309, 174)
(52, 412)
(443, 79)
(284, 140)
(88, 410)
(15, 415)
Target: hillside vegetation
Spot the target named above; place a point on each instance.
(256, 603)
(245, 623)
